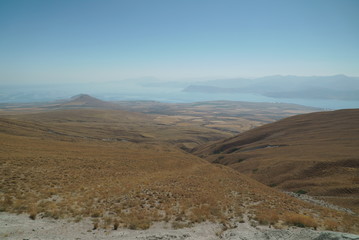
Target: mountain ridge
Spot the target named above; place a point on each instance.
(315, 152)
(336, 87)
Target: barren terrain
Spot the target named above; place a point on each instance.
(314, 153)
(115, 169)
(188, 124)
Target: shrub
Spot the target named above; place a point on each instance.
(77, 219)
(95, 225)
(143, 225)
(179, 225)
(301, 192)
(267, 217)
(116, 224)
(33, 215)
(331, 225)
(96, 214)
(300, 220)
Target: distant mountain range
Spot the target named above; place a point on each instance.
(338, 87)
(329, 92)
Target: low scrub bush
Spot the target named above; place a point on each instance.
(300, 220)
(116, 224)
(32, 215)
(301, 192)
(267, 217)
(331, 225)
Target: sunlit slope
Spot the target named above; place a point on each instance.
(317, 153)
(134, 184)
(110, 125)
(206, 121)
(227, 116)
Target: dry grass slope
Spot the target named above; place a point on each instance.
(201, 122)
(109, 125)
(317, 153)
(77, 174)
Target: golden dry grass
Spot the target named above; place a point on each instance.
(199, 123)
(127, 184)
(317, 153)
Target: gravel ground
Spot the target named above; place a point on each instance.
(22, 227)
(319, 202)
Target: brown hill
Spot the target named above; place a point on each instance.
(316, 153)
(86, 101)
(110, 125)
(51, 167)
(186, 125)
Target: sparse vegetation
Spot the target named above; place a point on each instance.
(301, 192)
(314, 153)
(130, 184)
(32, 215)
(95, 225)
(331, 225)
(268, 217)
(300, 220)
(116, 224)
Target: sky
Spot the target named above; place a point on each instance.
(48, 41)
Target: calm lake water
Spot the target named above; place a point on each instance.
(135, 92)
(186, 97)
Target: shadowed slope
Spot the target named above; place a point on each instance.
(317, 153)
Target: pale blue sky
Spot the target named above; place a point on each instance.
(81, 40)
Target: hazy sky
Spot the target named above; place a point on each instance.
(82, 40)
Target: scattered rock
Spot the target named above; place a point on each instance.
(20, 227)
(319, 202)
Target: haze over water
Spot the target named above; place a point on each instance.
(52, 50)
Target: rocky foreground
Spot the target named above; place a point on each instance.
(22, 227)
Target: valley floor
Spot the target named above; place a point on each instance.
(14, 226)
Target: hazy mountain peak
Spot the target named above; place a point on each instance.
(86, 100)
(81, 96)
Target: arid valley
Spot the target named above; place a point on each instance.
(179, 120)
(150, 170)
